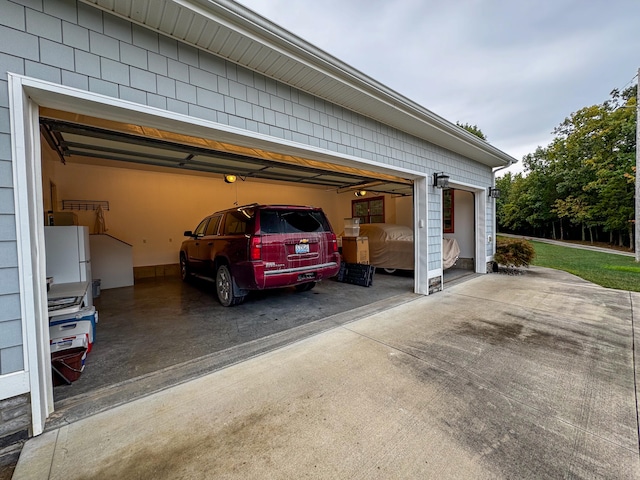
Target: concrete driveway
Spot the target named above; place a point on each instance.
(526, 376)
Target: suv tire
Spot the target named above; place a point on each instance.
(185, 271)
(226, 287)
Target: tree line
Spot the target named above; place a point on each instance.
(580, 186)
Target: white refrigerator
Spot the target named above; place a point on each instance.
(69, 257)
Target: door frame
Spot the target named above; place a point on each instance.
(26, 96)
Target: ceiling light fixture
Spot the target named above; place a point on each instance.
(230, 178)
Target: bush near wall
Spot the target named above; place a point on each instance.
(513, 253)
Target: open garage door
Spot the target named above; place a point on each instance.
(99, 140)
(160, 330)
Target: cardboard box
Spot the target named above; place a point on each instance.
(355, 250)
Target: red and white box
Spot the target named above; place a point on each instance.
(80, 323)
(57, 344)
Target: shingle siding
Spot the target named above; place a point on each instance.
(69, 42)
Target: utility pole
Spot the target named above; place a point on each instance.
(637, 227)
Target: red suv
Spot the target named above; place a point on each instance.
(256, 247)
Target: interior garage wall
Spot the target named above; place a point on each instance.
(464, 223)
(404, 211)
(396, 209)
(151, 210)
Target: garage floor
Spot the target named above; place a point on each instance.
(163, 331)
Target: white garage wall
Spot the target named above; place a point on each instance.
(151, 210)
(404, 211)
(463, 223)
(397, 209)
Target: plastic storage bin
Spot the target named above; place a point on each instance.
(79, 323)
(351, 227)
(69, 342)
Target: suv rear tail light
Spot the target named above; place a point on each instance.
(255, 249)
(333, 244)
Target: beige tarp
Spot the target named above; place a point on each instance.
(391, 246)
(450, 252)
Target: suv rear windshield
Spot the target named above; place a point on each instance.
(293, 221)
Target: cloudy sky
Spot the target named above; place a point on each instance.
(516, 69)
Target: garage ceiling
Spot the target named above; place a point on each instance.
(133, 144)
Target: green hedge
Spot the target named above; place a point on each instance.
(514, 253)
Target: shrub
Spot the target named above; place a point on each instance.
(514, 253)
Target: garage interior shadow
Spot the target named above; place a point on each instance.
(162, 332)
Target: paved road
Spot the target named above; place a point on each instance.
(571, 245)
(524, 376)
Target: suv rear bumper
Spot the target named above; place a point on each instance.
(265, 279)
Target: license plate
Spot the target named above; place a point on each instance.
(302, 248)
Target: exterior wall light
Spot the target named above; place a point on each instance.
(494, 192)
(441, 180)
(230, 178)
(360, 193)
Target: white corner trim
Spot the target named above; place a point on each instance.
(22, 113)
(14, 384)
(435, 273)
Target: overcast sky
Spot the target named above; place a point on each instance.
(514, 68)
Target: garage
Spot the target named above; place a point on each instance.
(140, 192)
(128, 121)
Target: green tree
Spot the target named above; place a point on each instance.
(512, 210)
(613, 164)
(472, 129)
(584, 178)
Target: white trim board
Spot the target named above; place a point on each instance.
(13, 384)
(73, 100)
(26, 95)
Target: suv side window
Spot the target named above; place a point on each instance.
(200, 229)
(235, 223)
(212, 228)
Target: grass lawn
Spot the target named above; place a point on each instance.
(606, 269)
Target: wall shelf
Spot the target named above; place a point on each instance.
(84, 204)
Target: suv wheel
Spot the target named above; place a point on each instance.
(225, 287)
(305, 287)
(185, 272)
